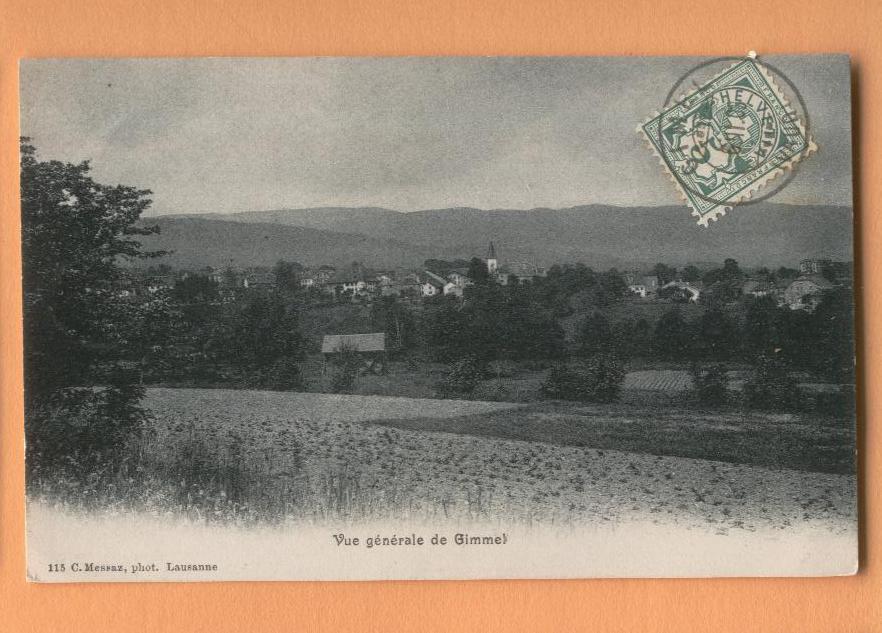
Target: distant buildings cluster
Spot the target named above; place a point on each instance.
(799, 289)
(455, 281)
(361, 281)
(152, 280)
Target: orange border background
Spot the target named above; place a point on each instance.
(43, 28)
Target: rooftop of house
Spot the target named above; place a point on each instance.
(261, 276)
(783, 282)
(683, 284)
(818, 280)
(161, 279)
(373, 342)
(522, 269)
(757, 285)
(435, 280)
(350, 276)
(818, 260)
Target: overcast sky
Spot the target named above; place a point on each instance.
(229, 135)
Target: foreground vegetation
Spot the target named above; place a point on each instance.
(246, 456)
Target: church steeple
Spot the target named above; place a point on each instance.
(492, 264)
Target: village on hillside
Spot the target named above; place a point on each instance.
(353, 328)
(797, 288)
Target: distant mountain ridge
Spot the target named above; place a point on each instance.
(196, 242)
(598, 235)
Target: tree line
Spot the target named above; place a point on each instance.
(820, 341)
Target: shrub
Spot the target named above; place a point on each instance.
(342, 381)
(710, 385)
(81, 433)
(595, 336)
(462, 377)
(346, 363)
(283, 375)
(597, 379)
(771, 388)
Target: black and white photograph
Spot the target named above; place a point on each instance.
(438, 318)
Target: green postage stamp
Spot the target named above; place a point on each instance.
(727, 138)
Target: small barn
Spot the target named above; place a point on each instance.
(371, 348)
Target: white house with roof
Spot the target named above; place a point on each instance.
(758, 288)
(432, 284)
(804, 293)
(308, 279)
(689, 289)
(456, 284)
(642, 285)
(259, 280)
(814, 266)
(458, 277)
(354, 279)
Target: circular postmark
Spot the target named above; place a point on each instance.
(723, 133)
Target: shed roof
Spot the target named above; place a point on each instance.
(374, 342)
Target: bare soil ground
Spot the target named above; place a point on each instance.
(374, 457)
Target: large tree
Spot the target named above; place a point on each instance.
(86, 339)
(392, 317)
(444, 327)
(829, 337)
(664, 273)
(595, 335)
(673, 339)
(288, 275)
(478, 272)
(258, 338)
(718, 335)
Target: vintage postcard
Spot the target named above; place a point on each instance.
(430, 318)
